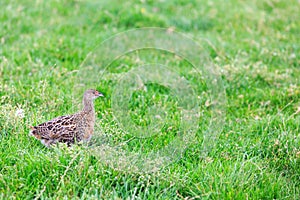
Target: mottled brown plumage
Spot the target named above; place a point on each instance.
(71, 128)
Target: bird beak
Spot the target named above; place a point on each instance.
(100, 95)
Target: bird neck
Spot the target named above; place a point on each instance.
(88, 105)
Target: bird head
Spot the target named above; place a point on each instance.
(92, 94)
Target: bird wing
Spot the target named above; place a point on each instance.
(63, 127)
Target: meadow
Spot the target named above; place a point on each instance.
(255, 46)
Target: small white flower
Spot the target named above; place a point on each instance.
(20, 113)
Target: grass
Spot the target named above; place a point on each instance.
(255, 46)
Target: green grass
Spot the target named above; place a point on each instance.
(254, 44)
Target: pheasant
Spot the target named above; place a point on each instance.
(70, 128)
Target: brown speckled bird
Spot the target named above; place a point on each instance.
(70, 128)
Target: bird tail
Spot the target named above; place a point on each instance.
(34, 132)
(31, 132)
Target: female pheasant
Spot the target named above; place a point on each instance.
(70, 128)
